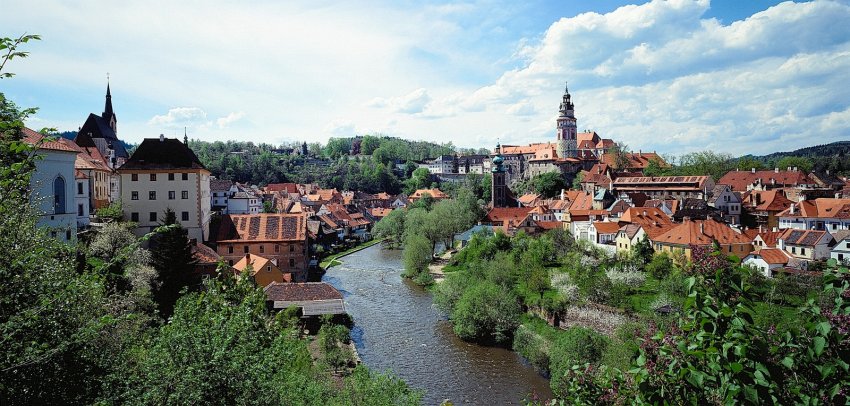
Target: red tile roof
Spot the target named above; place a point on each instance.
(204, 254)
(263, 227)
(279, 187)
(803, 237)
(59, 144)
(435, 193)
(380, 212)
(606, 227)
(549, 225)
(645, 216)
(702, 232)
(739, 180)
(822, 208)
(530, 149)
(292, 292)
(639, 160)
(507, 215)
(772, 256)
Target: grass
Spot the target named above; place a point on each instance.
(333, 260)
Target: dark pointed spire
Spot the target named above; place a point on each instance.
(108, 114)
(185, 137)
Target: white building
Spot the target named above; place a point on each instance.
(162, 174)
(841, 251)
(728, 202)
(81, 199)
(818, 214)
(53, 185)
(220, 193)
(442, 165)
(767, 260)
(243, 200)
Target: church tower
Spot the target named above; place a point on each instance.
(499, 191)
(567, 131)
(108, 114)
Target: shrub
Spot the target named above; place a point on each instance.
(628, 276)
(486, 313)
(577, 346)
(660, 266)
(532, 347)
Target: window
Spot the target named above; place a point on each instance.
(134, 195)
(134, 177)
(793, 250)
(152, 195)
(184, 194)
(277, 247)
(185, 176)
(153, 177)
(291, 248)
(80, 191)
(245, 248)
(68, 235)
(152, 216)
(262, 249)
(184, 216)
(134, 217)
(230, 262)
(80, 210)
(172, 195)
(170, 176)
(292, 262)
(58, 195)
(230, 250)
(802, 251)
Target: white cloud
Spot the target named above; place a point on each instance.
(340, 128)
(179, 117)
(411, 103)
(226, 121)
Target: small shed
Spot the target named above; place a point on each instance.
(313, 298)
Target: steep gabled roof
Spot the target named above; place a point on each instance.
(739, 180)
(804, 237)
(96, 127)
(702, 232)
(772, 256)
(606, 227)
(60, 144)
(162, 153)
(822, 208)
(645, 216)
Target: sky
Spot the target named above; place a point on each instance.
(671, 76)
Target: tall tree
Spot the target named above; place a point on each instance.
(171, 252)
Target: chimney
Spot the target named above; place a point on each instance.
(761, 228)
(793, 208)
(248, 258)
(686, 219)
(752, 170)
(795, 169)
(161, 137)
(702, 228)
(644, 213)
(776, 169)
(789, 169)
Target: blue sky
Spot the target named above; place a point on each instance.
(672, 76)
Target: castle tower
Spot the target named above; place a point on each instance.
(566, 126)
(499, 185)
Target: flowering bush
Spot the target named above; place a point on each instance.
(626, 275)
(563, 284)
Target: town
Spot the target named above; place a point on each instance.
(404, 204)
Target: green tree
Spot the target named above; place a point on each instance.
(172, 256)
(391, 227)
(369, 144)
(486, 313)
(642, 250)
(419, 179)
(417, 255)
(801, 163)
(549, 184)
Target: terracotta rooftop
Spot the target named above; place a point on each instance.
(606, 227)
(507, 214)
(204, 254)
(637, 160)
(435, 193)
(291, 292)
(529, 149)
(645, 216)
(740, 180)
(257, 263)
(549, 225)
(655, 182)
(262, 227)
(59, 144)
(772, 256)
(702, 232)
(528, 199)
(823, 208)
(380, 211)
(766, 200)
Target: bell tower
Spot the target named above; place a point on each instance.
(566, 127)
(499, 184)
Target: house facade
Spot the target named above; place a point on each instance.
(164, 173)
(53, 185)
(810, 245)
(281, 238)
(819, 214)
(727, 202)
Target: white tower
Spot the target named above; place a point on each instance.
(567, 131)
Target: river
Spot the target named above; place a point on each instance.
(397, 329)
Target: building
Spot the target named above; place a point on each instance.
(811, 245)
(102, 180)
(767, 260)
(704, 233)
(818, 214)
(443, 164)
(81, 199)
(53, 185)
(101, 132)
(634, 163)
(243, 200)
(164, 173)
(742, 181)
(764, 206)
(604, 232)
(435, 193)
(499, 193)
(471, 164)
(841, 250)
(511, 220)
(666, 187)
(313, 298)
(279, 237)
(220, 193)
(727, 202)
(262, 270)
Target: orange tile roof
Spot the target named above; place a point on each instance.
(656, 182)
(204, 254)
(549, 225)
(582, 201)
(702, 232)
(257, 263)
(606, 227)
(822, 208)
(435, 193)
(279, 187)
(263, 227)
(645, 216)
(380, 212)
(530, 149)
(528, 198)
(772, 256)
(739, 180)
(59, 144)
(507, 215)
(803, 237)
(639, 160)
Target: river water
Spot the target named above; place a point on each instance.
(397, 329)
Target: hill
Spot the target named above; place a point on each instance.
(840, 148)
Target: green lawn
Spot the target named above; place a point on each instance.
(334, 259)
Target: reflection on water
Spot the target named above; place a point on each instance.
(398, 329)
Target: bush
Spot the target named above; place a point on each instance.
(486, 313)
(660, 266)
(577, 346)
(532, 347)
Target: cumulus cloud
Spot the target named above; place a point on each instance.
(179, 117)
(226, 121)
(411, 103)
(340, 128)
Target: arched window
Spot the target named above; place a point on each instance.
(58, 195)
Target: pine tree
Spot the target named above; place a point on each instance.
(172, 257)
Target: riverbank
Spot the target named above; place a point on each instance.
(334, 259)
